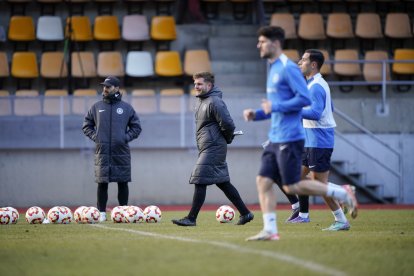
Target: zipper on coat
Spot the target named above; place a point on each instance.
(110, 144)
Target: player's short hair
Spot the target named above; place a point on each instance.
(316, 56)
(207, 76)
(273, 33)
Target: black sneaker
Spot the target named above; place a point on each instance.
(295, 214)
(245, 219)
(184, 222)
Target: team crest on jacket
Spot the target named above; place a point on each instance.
(275, 78)
(119, 110)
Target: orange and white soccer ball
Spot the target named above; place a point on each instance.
(77, 215)
(90, 215)
(118, 214)
(35, 215)
(152, 214)
(8, 215)
(134, 214)
(224, 214)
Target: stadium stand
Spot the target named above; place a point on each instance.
(373, 72)
(403, 70)
(196, 61)
(79, 27)
(53, 68)
(21, 31)
(82, 100)
(83, 67)
(163, 29)
(110, 64)
(144, 101)
(339, 28)
(368, 29)
(326, 69)
(346, 70)
(4, 67)
(24, 67)
(311, 28)
(168, 64)
(170, 100)
(287, 22)
(135, 30)
(397, 29)
(293, 54)
(106, 29)
(27, 103)
(139, 64)
(5, 103)
(56, 100)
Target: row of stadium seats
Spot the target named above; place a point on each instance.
(144, 101)
(135, 28)
(140, 64)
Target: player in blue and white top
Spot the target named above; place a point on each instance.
(281, 162)
(319, 124)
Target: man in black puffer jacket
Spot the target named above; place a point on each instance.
(214, 130)
(112, 124)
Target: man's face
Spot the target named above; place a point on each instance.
(107, 90)
(267, 48)
(201, 86)
(305, 65)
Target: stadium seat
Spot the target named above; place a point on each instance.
(53, 100)
(339, 27)
(144, 101)
(135, 29)
(110, 64)
(163, 29)
(397, 29)
(368, 28)
(53, 68)
(81, 30)
(292, 54)
(139, 64)
(21, 29)
(347, 70)
(5, 103)
(27, 103)
(287, 22)
(82, 100)
(83, 65)
(170, 100)
(403, 68)
(196, 61)
(373, 71)
(24, 67)
(49, 28)
(326, 69)
(311, 28)
(106, 28)
(168, 64)
(4, 65)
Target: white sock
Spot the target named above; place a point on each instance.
(295, 206)
(303, 215)
(269, 220)
(339, 215)
(337, 192)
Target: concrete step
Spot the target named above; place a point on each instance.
(233, 48)
(252, 80)
(250, 66)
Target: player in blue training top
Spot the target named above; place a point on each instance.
(319, 124)
(281, 162)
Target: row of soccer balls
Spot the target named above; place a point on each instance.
(83, 214)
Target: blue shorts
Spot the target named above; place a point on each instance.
(317, 159)
(281, 162)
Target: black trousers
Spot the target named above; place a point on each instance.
(228, 189)
(123, 193)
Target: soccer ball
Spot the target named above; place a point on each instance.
(8, 215)
(35, 215)
(66, 213)
(77, 215)
(118, 214)
(134, 214)
(152, 214)
(224, 214)
(54, 215)
(90, 215)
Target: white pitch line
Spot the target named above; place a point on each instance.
(318, 268)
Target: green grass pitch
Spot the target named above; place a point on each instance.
(380, 242)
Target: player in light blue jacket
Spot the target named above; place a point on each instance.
(281, 160)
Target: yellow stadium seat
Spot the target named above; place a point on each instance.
(21, 28)
(83, 65)
(106, 28)
(163, 28)
(53, 66)
(4, 65)
(110, 64)
(403, 68)
(24, 65)
(168, 64)
(81, 30)
(311, 27)
(287, 22)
